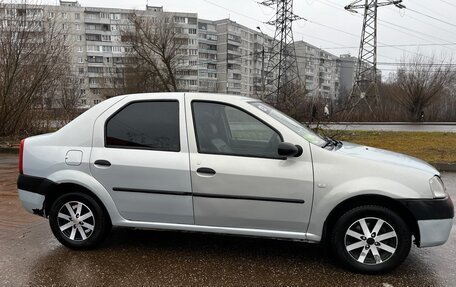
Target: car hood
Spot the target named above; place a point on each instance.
(385, 156)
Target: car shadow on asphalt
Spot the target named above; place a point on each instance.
(139, 257)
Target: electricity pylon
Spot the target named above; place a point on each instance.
(282, 64)
(365, 82)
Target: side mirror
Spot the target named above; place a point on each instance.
(289, 150)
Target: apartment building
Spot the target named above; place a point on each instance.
(319, 70)
(187, 27)
(208, 56)
(102, 50)
(241, 61)
(100, 54)
(216, 56)
(348, 67)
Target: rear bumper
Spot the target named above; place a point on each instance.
(32, 192)
(32, 202)
(434, 219)
(34, 184)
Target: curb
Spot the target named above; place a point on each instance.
(9, 150)
(448, 167)
(390, 123)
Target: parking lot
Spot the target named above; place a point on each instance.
(31, 256)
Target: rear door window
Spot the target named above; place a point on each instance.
(145, 125)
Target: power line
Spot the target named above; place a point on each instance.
(332, 28)
(429, 10)
(365, 82)
(262, 22)
(381, 63)
(448, 3)
(331, 4)
(235, 12)
(282, 61)
(397, 48)
(395, 27)
(395, 45)
(337, 59)
(432, 17)
(318, 38)
(428, 23)
(356, 36)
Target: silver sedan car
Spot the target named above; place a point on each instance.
(229, 165)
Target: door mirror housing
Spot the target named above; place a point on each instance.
(289, 150)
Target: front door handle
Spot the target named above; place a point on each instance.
(206, 170)
(102, 162)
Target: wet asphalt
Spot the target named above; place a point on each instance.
(30, 256)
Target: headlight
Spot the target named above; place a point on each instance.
(437, 187)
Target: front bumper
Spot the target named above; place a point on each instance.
(434, 218)
(434, 232)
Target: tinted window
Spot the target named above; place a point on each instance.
(292, 124)
(223, 129)
(148, 125)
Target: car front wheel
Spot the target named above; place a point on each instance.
(78, 221)
(371, 239)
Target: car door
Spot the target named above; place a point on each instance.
(238, 179)
(140, 155)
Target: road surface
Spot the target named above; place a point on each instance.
(31, 256)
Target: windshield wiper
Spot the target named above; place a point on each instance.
(338, 142)
(331, 142)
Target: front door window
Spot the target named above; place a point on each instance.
(224, 129)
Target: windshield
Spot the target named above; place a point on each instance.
(292, 124)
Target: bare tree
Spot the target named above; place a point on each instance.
(156, 45)
(293, 100)
(131, 76)
(69, 96)
(31, 51)
(419, 83)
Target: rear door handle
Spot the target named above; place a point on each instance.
(206, 170)
(102, 162)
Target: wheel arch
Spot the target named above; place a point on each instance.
(370, 199)
(77, 180)
(67, 187)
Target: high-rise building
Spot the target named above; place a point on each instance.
(241, 65)
(348, 67)
(319, 70)
(207, 56)
(216, 56)
(104, 53)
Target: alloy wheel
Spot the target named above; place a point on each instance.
(76, 221)
(371, 240)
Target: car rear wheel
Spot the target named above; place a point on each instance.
(78, 221)
(371, 239)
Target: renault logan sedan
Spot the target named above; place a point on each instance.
(231, 165)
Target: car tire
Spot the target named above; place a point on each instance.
(78, 221)
(371, 239)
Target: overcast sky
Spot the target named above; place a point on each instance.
(331, 27)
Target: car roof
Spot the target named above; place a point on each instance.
(204, 95)
(225, 96)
